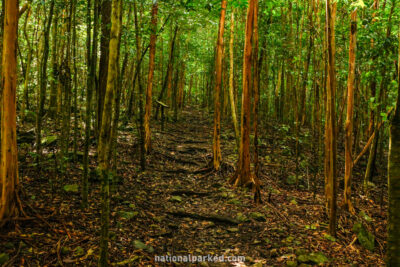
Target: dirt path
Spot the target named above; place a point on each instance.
(173, 208)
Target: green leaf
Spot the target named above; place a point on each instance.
(363, 215)
(359, 3)
(176, 199)
(79, 251)
(128, 214)
(128, 261)
(140, 245)
(71, 188)
(48, 140)
(4, 258)
(329, 237)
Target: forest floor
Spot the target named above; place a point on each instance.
(177, 208)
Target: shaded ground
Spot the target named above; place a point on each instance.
(176, 208)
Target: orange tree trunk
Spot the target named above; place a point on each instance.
(243, 172)
(217, 109)
(147, 114)
(9, 154)
(349, 119)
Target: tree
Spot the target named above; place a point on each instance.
(243, 175)
(91, 60)
(330, 130)
(349, 116)
(393, 243)
(153, 40)
(105, 13)
(105, 137)
(9, 155)
(43, 83)
(231, 77)
(217, 96)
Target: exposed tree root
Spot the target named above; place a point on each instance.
(189, 193)
(212, 218)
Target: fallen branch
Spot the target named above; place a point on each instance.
(370, 140)
(189, 193)
(212, 218)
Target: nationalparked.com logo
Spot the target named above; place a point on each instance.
(197, 258)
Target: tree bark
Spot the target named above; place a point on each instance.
(231, 77)
(9, 153)
(104, 53)
(349, 116)
(243, 175)
(217, 92)
(330, 132)
(153, 40)
(105, 131)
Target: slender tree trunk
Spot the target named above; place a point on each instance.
(74, 55)
(330, 132)
(91, 47)
(54, 65)
(349, 116)
(243, 175)
(43, 85)
(9, 153)
(105, 131)
(103, 64)
(140, 85)
(153, 40)
(217, 96)
(27, 69)
(66, 82)
(168, 76)
(256, 90)
(231, 77)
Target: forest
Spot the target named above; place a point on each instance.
(200, 133)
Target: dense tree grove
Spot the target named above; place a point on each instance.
(128, 126)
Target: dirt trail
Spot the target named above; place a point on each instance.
(175, 208)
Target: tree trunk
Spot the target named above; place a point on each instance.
(231, 77)
(256, 90)
(105, 131)
(43, 85)
(54, 65)
(103, 65)
(9, 154)
(27, 69)
(243, 175)
(349, 116)
(147, 115)
(140, 85)
(91, 47)
(330, 132)
(217, 96)
(168, 75)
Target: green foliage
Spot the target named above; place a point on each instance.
(71, 188)
(366, 239)
(4, 258)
